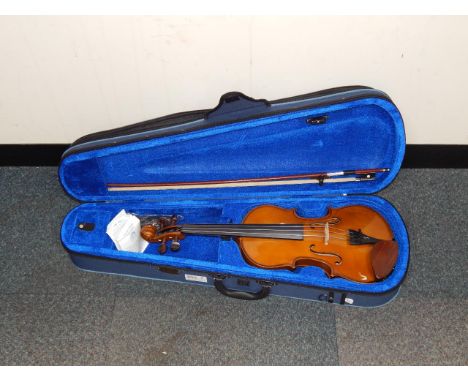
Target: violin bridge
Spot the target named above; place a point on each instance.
(327, 234)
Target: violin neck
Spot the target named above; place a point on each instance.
(272, 231)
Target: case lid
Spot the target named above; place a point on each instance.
(348, 128)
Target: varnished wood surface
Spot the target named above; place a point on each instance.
(338, 257)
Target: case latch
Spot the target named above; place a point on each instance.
(329, 297)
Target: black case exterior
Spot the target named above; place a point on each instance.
(231, 286)
(232, 107)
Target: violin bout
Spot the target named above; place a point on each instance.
(353, 242)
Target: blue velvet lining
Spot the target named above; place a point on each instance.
(366, 133)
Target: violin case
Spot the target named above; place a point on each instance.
(353, 127)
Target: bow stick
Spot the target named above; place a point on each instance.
(320, 178)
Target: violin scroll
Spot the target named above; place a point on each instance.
(149, 233)
(161, 230)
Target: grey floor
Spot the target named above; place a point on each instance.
(52, 313)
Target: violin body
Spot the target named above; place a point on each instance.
(362, 261)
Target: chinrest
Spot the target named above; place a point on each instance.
(383, 257)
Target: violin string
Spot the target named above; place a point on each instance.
(268, 226)
(277, 232)
(221, 232)
(285, 229)
(243, 233)
(330, 227)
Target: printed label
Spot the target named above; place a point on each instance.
(201, 279)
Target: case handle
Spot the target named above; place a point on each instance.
(238, 103)
(242, 295)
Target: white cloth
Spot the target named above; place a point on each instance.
(124, 230)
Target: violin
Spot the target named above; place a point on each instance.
(353, 242)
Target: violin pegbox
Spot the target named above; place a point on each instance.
(161, 229)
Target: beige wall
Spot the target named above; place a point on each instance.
(63, 77)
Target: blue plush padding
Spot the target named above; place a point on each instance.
(366, 133)
(362, 134)
(212, 254)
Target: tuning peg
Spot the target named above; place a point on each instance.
(162, 247)
(175, 245)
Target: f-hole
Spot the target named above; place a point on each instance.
(337, 262)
